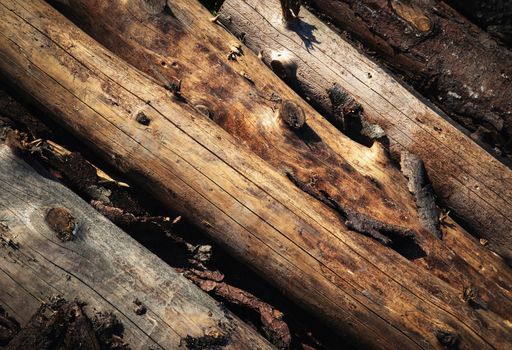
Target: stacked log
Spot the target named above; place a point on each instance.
(347, 243)
(53, 245)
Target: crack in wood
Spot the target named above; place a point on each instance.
(348, 116)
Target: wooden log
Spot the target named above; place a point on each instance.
(52, 243)
(321, 176)
(133, 38)
(443, 55)
(360, 287)
(328, 71)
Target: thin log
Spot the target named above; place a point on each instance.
(360, 287)
(52, 243)
(344, 85)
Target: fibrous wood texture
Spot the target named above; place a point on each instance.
(96, 263)
(446, 57)
(151, 40)
(362, 288)
(342, 83)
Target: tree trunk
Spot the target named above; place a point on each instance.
(133, 38)
(53, 243)
(328, 71)
(360, 287)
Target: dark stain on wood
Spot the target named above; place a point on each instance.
(64, 325)
(143, 119)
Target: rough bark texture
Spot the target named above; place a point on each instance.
(361, 288)
(419, 185)
(495, 16)
(443, 55)
(100, 265)
(355, 94)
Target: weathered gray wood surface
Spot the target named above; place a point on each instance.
(102, 266)
(466, 178)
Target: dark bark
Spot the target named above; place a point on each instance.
(9, 327)
(495, 16)
(448, 59)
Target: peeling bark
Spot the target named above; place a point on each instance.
(420, 187)
(343, 84)
(272, 321)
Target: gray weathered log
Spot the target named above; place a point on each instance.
(98, 264)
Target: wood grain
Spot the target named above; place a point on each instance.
(361, 288)
(305, 155)
(101, 266)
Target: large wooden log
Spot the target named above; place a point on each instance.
(133, 39)
(53, 243)
(467, 179)
(362, 288)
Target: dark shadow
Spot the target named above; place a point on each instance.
(304, 31)
(406, 246)
(307, 134)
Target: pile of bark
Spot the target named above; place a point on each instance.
(272, 158)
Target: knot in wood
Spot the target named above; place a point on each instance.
(62, 223)
(143, 119)
(292, 114)
(448, 339)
